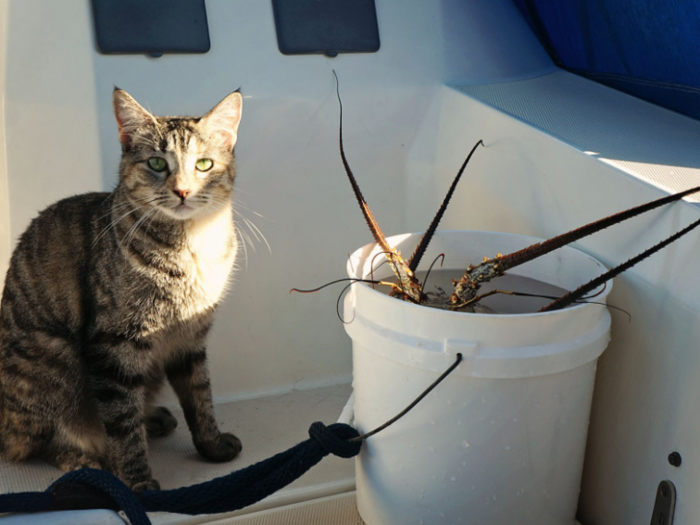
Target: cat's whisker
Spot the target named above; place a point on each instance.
(243, 240)
(114, 207)
(244, 235)
(239, 205)
(242, 191)
(254, 230)
(125, 204)
(151, 218)
(259, 215)
(150, 222)
(112, 224)
(150, 214)
(129, 236)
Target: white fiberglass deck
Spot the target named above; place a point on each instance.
(265, 425)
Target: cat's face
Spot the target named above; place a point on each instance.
(184, 167)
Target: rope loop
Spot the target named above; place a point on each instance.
(335, 438)
(66, 488)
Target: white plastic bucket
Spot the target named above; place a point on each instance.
(501, 441)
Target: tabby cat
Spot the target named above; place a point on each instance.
(108, 294)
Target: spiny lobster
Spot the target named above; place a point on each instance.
(466, 288)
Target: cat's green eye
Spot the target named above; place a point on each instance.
(157, 164)
(204, 164)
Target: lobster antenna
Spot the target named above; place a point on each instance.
(534, 251)
(428, 236)
(371, 222)
(569, 298)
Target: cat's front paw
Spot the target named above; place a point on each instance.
(149, 484)
(224, 448)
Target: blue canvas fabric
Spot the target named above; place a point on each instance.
(649, 49)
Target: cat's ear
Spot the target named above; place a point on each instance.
(223, 120)
(130, 115)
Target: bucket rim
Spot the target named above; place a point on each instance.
(602, 296)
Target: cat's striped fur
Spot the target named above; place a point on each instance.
(109, 294)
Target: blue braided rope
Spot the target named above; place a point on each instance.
(109, 484)
(252, 484)
(25, 502)
(86, 488)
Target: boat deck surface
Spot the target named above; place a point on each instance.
(265, 425)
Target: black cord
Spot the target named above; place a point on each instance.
(406, 410)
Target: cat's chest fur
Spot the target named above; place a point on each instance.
(184, 282)
(207, 258)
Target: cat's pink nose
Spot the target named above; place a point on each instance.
(182, 193)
